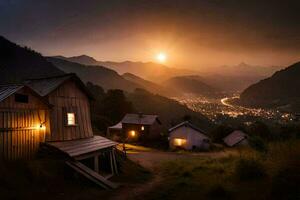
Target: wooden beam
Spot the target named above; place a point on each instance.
(111, 162)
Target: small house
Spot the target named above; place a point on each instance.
(236, 138)
(187, 136)
(136, 127)
(55, 111)
(115, 132)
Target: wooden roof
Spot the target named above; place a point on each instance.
(80, 147)
(235, 137)
(45, 86)
(7, 90)
(117, 126)
(187, 124)
(140, 119)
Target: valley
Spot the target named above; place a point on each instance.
(220, 110)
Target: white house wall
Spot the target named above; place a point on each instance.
(193, 137)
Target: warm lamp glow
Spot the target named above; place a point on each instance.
(132, 133)
(161, 57)
(179, 141)
(40, 127)
(142, 128)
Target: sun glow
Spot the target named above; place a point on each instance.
(161, 57)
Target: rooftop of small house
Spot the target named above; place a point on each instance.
(186, 124)
(140, 119)
(235, 137)
(117, 126)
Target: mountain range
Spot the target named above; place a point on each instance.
(19, 63)
(105, 77)
(147, 70)
(281, 90)
(226, 78)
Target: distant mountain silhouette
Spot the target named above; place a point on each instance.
(245, 69)
(147, 70)
(190, 84)
(19, 63)
(227, 78)
(281, 89)
(148, 85)
(106, 78)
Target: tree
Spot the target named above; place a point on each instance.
(260, 129)
(220, 132)
(115, 105)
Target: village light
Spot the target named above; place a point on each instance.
(40, 127)
(142, 128)
(132, 133)
(179, 141)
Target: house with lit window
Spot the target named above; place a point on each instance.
(55, 111)
(187, 136)
(136, 127)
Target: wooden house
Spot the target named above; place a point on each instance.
(187, 136)
(236, 138)
(23, 114)
(61, 116)
(136, 127)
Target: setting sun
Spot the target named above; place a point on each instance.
(161, 57)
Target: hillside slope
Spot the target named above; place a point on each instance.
(148, 85)
(19, 63)
(190, 84)
(170, 112)
(281, 89)
(106, 78)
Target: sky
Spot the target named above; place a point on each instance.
(192, 33)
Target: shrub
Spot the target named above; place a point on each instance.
(285, 184)
(249, 169)
(258, 144)
(219, 192)
(220, 132)
(260, 129)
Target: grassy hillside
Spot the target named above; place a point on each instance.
(19, 63)
(190, 84)
(245, 175)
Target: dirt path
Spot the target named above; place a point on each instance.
(151, 160)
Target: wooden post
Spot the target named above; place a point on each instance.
(96, 163)
(111, 162)
(124, 150)
(114, 159)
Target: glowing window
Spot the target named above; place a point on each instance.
(71, 118)
(142, 128)
(179, 142)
